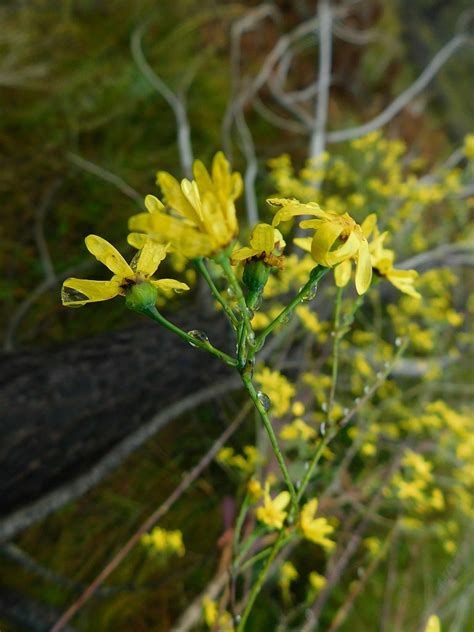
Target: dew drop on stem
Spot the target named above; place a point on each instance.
(264, 400)
(198, 335)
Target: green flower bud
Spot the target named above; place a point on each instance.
(141, 297)
(255, 275)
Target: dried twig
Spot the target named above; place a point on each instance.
(176, 103)
(405, 97)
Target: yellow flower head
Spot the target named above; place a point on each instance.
(315, 529)
(199, 218)
(266, 244)
(337, 238)
(165, 542)
(78, 292)
(382, 261)
(272, 511)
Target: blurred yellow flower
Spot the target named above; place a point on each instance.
(317, 581)
(161, 541)
(382, 261)
(315, 529)
(212, 618)
(266, 244)
(433, 624)
(78, 292)
(199, 218)
(337, 238)
(272, 512)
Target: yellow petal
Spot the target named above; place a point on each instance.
(153, 204)
(150, 257)
(363, 275)
(191, 192)
(291, 208)
(262, 238)
(403, 281)
(243, 253)
(369, 224)
(303, 242)
(169, 284)
(342, 273)
(104, 252)
(77, 292)
(322, 242)
(175, 198)
(202, 177)
(347, 250)
(137, 240)
(281, 501)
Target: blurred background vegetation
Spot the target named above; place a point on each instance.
(81, 132)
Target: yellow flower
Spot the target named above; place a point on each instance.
(468, 147)
(77, 292)
(315, 529)
(288, 574)
(317, 581)
(212, 618)
(199, 218)
(382, 261)
(433, 624)
(272, 512)
(266, 244)
(337, 238)
(161, 541)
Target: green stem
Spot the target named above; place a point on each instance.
(201, 266)
(316, 273)
(273, 440)
(240, 522)
(224, 262)
(335, 351)
(153, 313)
(279, 543)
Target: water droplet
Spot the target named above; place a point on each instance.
(322, 429)
(311, 294)
(306, 466)
(379, 375)
(386, 365)
(360, 572)
(324, 407)
(251, 337)
(237, 618)
(297, 484)
(345, 411)
(333, 334)
(398, 342)
(198, 335)
(287, 317)
(231, 292)
(250, 313)
(264, 400)
(70, 296)
(366, 389)
(357, 401)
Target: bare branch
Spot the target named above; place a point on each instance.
(175, 103)
(405, 97)
(318, 137)
(108, 176)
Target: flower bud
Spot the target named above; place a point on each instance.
(141, 296)
(255, 275)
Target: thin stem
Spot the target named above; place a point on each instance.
(201, 266)
(335, 350)
(153, 313)
(317, 273)
(279, 543)
(239, 523)
(224, 262)
(273, 440)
